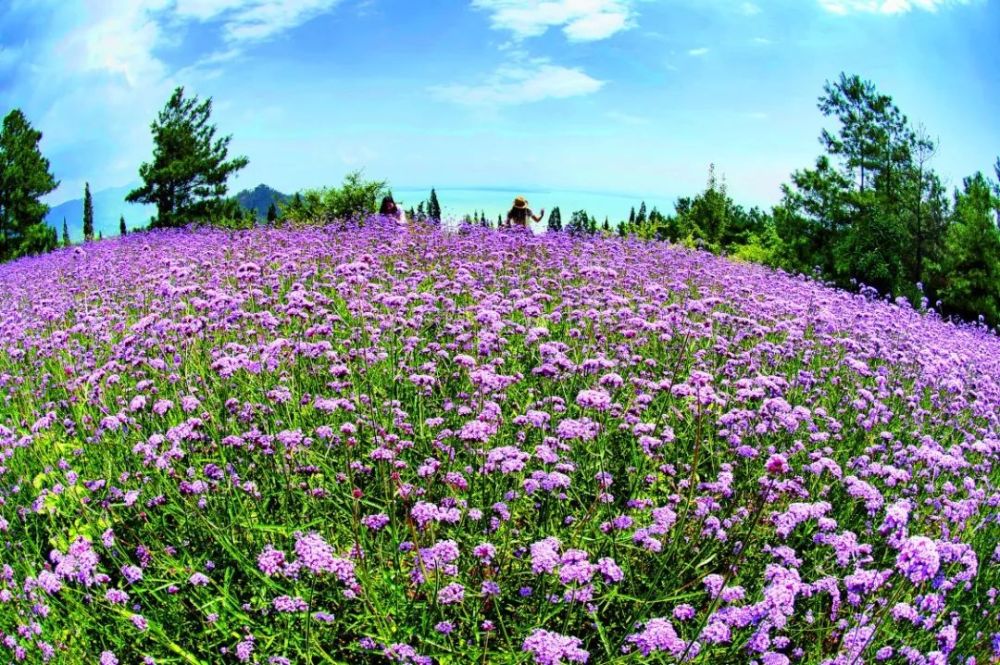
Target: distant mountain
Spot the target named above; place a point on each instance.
(109, 205)
(260, 198)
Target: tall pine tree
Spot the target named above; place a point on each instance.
(972, 259)
(88, 214)
(65, 235)
(187, 178)
(122, 229)
(555, 220)
(434, 208)
(24, 179)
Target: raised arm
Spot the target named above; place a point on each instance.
(538, 217)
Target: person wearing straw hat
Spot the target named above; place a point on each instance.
(517, 218)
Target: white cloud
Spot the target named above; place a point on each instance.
(749, 9)
(513, 85)
(627, 118)
(698, 52)
(96, 67)
(762, 41)
(580, 20)
(843, 7)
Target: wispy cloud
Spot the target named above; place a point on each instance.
(749, 9)
(253, 20)
(580, 20)
(844, 7)
(698, 52)
(627, 118)
(514, 85)
(97, 66)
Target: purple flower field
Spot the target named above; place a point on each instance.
(418, 446)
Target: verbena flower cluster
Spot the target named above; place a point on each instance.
(385, 445)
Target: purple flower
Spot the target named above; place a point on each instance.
(199, 579)
(918, 559)
(451, 594)
(548, 648)
(658, 635)
(271, 561)
(375, 522)
(289, 604)
(599, 399)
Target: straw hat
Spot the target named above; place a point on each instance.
(520, 202)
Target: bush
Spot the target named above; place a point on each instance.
(355, 198)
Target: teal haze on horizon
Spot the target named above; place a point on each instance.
(630, 96)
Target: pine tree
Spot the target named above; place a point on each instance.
(272, 213)
(65, 237)
(631, 216)
(499, 221)
(579, 223)
(641, 217)
(187, 178)
(555, 220)
(972, 259)
(88, 214)
(122, 229)
(100, 236)
(607, 224)
(24, 179)
(434, 208)
(622, 229)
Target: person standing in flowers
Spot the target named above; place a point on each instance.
(390, 209)
(517, 217)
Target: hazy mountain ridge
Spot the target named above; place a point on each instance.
(110, 205)
(260, 198)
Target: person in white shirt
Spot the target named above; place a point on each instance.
(517, 217)
(390, 209)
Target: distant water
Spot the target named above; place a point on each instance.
(455, 203)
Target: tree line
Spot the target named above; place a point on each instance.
(870, 211)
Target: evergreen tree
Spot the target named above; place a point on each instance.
(555, 220)
(499, 221)
(187, 178)
(607, 224)
(421, 215)
(100, 236)
(641, 217)
(88, 214)
(122, 229)
(294, 208)
(579, 223)
(24, 179)
(434, 208)
(622, 229)
(971, 280)
(631, 217)
(65, 235)
(272, 213)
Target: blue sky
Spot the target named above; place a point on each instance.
(634, 96)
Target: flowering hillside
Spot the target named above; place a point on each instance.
(414, 446)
